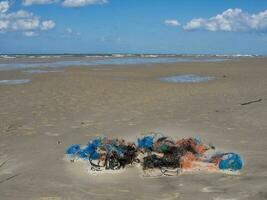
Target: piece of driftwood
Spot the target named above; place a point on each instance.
(249, 102)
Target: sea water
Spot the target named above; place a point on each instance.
(58, 61)
(187, 78)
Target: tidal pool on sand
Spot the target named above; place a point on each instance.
(14, 82)
(38, 71)
(187, 78)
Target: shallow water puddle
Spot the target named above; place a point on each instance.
(187, 78)
(14, 82)
(38, 71)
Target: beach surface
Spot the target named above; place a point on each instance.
(42, 116)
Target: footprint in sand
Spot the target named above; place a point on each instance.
(13, 127)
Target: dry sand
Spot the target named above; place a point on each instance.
(38, 120)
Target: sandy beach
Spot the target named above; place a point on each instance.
(40, 119)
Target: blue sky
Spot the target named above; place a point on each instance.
(134, 26)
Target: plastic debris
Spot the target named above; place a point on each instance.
(154, 151)
(146, 142)
(104, 153)
(230, 161)
(73, 149)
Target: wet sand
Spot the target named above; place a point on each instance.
(39, 119)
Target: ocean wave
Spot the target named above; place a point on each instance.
(7, 56)
(149, 56)
(237, 55)
(118, 55)
(98, 56)
(244, 55)
(49, 56)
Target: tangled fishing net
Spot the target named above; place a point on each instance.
(154, 152)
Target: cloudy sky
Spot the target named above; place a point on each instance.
(133, 26)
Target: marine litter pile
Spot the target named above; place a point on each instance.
(154, 152)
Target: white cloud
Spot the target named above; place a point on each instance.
(80, 3)
(46, 25)
(172, 22)
(4, 6)
(22, 21)
(110, 39)
(26, 24)
(37, 2)
(230, 20)
(17, 15)
(30, 34)
(69, 32)
(3, 25)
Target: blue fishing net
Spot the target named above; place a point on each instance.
(85, 152)
(172, 153)
(73, 149)
(231, 161)
(146, 142)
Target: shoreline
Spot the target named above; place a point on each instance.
(38, 62)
